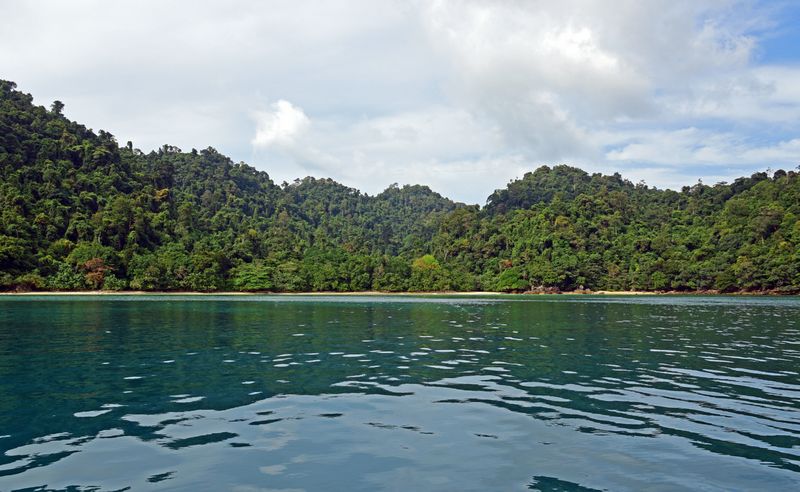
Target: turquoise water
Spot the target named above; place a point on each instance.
(399, 393)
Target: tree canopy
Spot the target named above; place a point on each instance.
(78, 211)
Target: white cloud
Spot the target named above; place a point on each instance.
(590, 64)
(697, 147)
(281, 125)
(409, 147)
(462, 95)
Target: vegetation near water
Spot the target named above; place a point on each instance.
(77, 211)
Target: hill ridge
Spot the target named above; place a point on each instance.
(81, 212)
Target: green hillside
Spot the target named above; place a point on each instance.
(77, 211)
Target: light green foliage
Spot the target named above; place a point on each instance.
(66, 278)
(425, 263)
(250, 277)
(85, 251)
(111, 282)
(511, 280)
(30, 281)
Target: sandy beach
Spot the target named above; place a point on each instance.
(379, 293)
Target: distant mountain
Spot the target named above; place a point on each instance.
(80, 212)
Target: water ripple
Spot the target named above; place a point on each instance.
(434, 394)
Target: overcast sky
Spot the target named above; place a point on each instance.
(459, 95)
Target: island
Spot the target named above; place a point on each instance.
(82, 213)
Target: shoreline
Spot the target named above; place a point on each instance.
(380, 293)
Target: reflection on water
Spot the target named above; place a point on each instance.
(400, 393)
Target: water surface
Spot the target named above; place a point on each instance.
(399, 393)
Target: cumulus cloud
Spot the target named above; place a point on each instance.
(609, 91)
(281, 125)
(579, 66)
(462, 95)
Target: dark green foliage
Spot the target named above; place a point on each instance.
(77, 211)
(606, 233)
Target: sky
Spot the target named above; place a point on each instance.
(461, 95)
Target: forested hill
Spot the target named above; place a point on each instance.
(77, 211)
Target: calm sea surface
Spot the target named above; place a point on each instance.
(399, 393)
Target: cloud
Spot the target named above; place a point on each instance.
(462, 95)
(370, 153)
(569, 69)
(668, 86)
(281, 125)
(705, 147)
(282, 132)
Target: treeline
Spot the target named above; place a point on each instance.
(77, 211)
